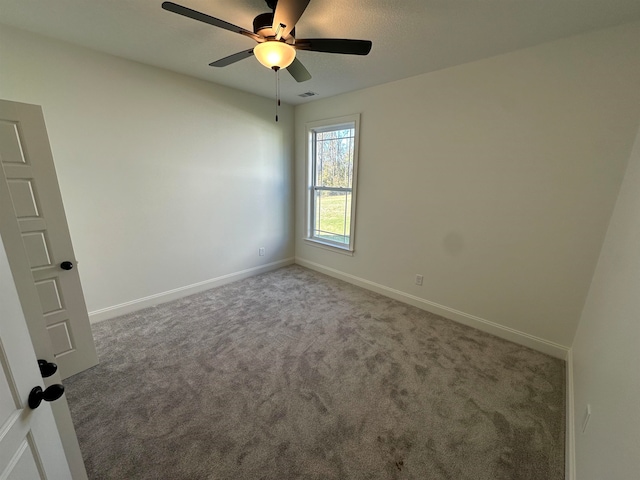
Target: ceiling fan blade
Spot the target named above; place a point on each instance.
(236, 57)
(335, 45)
(298, 71)
(287, 13)
(202, 17)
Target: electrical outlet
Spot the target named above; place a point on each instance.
(419, 280)
(261, 251)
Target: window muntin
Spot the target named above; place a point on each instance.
(332, 173)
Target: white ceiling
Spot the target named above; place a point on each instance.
(409, 37)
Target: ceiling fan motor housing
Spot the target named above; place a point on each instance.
(262, 25)
(262, 21)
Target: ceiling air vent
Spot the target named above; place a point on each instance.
(307, 94)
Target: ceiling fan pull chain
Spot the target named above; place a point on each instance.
(277, 70)
(277, 90)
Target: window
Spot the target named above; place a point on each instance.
(332, 159)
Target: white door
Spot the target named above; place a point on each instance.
(29, 175)
(30, 446)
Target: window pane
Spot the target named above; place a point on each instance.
(334, 158)
(332, 216)
(332, 162)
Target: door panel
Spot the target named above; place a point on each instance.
(24, 200)
(37, 251)
(25, 464)
(49, 296)
(29, 173)
(61, 338)
(9, 138)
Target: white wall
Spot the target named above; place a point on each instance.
(167, 180)
(495, 180)
(606, 349)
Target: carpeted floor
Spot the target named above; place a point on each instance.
(295, 375)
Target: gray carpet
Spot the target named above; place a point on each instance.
(295, 375)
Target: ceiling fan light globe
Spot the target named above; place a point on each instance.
(273, 53)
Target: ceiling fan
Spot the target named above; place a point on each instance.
(275, 34)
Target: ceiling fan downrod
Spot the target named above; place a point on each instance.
(272, 4)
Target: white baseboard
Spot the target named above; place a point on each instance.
(570, 437)
(151, 300)
(511, 334)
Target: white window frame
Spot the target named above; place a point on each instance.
(349, 121)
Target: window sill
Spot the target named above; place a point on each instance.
(328, 246)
